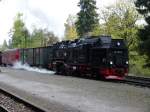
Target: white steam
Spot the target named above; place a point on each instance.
(19, 65)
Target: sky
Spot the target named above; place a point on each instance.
(50, 14)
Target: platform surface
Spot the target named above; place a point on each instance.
(66, 93)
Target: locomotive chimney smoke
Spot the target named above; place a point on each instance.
(18, 65)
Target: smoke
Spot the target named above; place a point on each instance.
(42, 16)
(19, 65)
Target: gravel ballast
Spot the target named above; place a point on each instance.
(12, 105)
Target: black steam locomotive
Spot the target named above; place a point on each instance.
(101, 57)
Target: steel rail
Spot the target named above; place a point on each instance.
(3, 109)
(27, 103)
(139, 78)
(139, 81)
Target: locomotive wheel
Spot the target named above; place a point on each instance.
(60, 69)
(69, 72)
(100, 77)
(5, 65)
(77, 74)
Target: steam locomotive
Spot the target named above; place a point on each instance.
(101, 57)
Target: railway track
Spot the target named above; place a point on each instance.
(10, 102)
(138, 81)
(3, 109)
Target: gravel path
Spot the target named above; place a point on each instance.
(82, 94)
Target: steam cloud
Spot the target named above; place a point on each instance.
(18, 65)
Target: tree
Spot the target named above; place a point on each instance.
(51, 38)
(4, 46)
(87, 17)
(42, 37)
(120, 22)
(20, 34)
(37, 38)
(10, 44)
(98, 30)
(143, 7)
(70, 29)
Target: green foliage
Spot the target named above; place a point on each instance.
(10, 44)
(19, 32)
(42, 37)
(136, 65)
(20, 37)
(70, 29)
(51, 38)
(4, 46)
(120, 22)
(98, 30)
(87, 17)
(143, 7)
(37, 38)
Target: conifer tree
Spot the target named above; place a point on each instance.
(87, 17)
(143, 7)
(4, 46)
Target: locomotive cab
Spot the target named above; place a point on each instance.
(109, 58)
(117, 60)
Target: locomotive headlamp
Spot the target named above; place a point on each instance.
(118, 43)
(74, 67)
(111, 62)
(127, 62)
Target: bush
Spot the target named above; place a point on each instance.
(137, 67)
